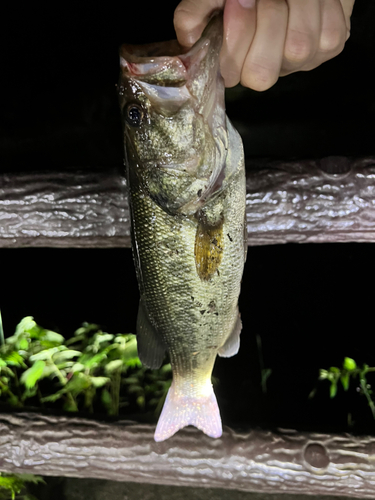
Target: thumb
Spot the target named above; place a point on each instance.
(191, 17)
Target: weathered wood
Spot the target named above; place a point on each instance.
(327, 200)
(286, 461)
(313, 201)
(76, 209)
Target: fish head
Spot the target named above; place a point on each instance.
(173, 114)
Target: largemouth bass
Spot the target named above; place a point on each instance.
(186, 178)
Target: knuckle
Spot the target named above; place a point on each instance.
(258, 76)
(299, 47)
(332, 41)
(231, 78)
(181, 17)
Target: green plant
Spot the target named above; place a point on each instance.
(349, 371)
(265, 373)
(14, 486)
(92, 366)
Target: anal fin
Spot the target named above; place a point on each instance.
(232, 344)
(151, 348)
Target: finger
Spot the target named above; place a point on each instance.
(347, 7)
(333, 34)
(303, 34)
(239, 29)
(334, 30)
(263, 61)
(191, 17)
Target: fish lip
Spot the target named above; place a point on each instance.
(144, 62)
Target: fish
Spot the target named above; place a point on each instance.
(187, 197)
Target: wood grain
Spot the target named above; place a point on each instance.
(285, 461)
(324, 200)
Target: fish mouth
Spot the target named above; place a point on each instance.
(138, 53)
(169, 63)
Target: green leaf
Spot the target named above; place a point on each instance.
(106, 398)
(62, 356)
(141, 401)
(153, 401)
(30, 478)
(99, 381)
(92, 361)
(78, 367)
(166, 368)
(114, 365)
(66, 366)
(78, 383)
(13, 400)
(349, 364)
(30, 377)
(334, 369)
(48, 371)
(14, 359)
(53, 397)
(11, 483)
(103, 337)
(70, 406)
(29, 393)
(133, 362)
(26, 324)
(23, 344)
(345, 381)
(312, 393)
(135, 388)
(333, 390)
(86, 328)
(5, 370)
(131, 380)
(131, 350)
(46, 353)
(54, 337)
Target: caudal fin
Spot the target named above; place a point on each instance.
(179, 411)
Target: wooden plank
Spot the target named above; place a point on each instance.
(70, 209)
(285, 461)
(325, 200)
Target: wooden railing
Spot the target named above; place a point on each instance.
(327, 200)
(283, 461)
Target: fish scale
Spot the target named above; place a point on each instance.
(189, 246)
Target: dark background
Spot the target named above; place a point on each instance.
(311, 305)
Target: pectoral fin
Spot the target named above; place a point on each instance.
(151, 349)
(232, 344)
(208, 249)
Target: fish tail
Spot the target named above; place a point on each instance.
(179, 411)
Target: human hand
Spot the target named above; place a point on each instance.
(265, 39)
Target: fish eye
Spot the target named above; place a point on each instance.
(134, 115)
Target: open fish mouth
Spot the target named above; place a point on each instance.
(168, 63)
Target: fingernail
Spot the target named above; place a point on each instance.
(247, 4)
